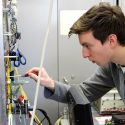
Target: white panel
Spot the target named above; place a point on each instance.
(67, 18)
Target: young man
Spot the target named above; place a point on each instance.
(101, 33)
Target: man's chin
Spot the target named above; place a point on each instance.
(101, 64)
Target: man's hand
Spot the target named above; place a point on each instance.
(45, 80)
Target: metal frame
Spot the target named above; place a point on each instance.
(2, 72)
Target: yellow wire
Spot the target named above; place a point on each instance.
(9, 96)
(25, 96)
(58, 122)
(9, 106)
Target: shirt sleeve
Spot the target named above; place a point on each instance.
(93, 88)
(59, 94)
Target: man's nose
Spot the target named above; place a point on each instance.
(85, 52)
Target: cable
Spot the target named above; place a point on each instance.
(45, 117)
(42, 59)
(117, 2)
(25, 96)
(58, 122)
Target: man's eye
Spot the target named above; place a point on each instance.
(85, 46)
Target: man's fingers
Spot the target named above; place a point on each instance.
(33, 76)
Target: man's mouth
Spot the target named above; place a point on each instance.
(92, 61)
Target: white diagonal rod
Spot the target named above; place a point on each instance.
(42, 59)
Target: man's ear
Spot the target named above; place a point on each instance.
(113, 41)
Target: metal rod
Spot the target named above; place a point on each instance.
(117, 2)
(17, 76)
(10, 56)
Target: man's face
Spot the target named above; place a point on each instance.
(94, 50)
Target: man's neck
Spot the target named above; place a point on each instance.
(119, 56)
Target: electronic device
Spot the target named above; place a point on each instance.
(79, 107)
(118, 119)
(110, 103)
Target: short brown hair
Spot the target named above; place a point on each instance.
(102, 20)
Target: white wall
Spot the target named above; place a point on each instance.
(32, 22)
